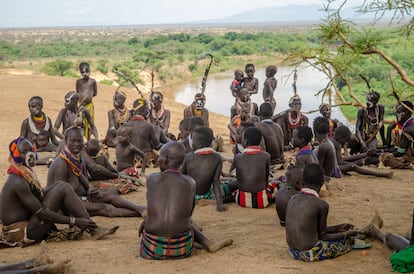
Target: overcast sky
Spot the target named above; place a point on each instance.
(41, 13)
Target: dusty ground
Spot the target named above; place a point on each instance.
(259, 242)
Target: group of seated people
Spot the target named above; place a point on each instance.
(28, 212)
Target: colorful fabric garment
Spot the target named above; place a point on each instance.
(29, 176)
(322, 250)
(403, 260)
(120, 185)
(87, 128)
(16, 233)
(336, 173)
(250, 150)
(154, 247)
(259, 199)
(210, 195)
(131, 171)
(306, 150)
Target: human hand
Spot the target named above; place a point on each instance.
(96, 194)
(345, 227)
(85, 224)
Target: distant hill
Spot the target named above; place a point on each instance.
(289, 14)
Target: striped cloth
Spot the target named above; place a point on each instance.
(259, 199)
(155, 247)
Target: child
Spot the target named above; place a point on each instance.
(326, 150)
(168, 231)
(117, 116)
(250, 82)
(87, 89)
(208, 177)
(126, 153)
(302, 137)
(252, 169)
(46, 150)
(236, 84)
(67, 115)
(36, 122)
(269, 86)
(293, 185)
(106, 176)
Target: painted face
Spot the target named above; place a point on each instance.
(119, 100)
(35, 107)
(296, 104)
(85, 72)
(326, 111)
(200, 103)
(74, 141)
(27, 153)
(71, 100)
(401, 114)
(372, 99)
(156, 101)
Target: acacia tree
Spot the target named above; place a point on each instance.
(343, 43)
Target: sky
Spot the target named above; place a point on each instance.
(50, 13)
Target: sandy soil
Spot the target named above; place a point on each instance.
(259, 241)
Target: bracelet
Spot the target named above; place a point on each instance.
(72, 221)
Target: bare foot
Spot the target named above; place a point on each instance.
(375, 221)
(215, 246)
(101, 232)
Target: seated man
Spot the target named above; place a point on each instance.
(293, 185)
(28, 212)
(342, 136)
(307, 234)
(252, 172)
(69, 167)
(272, 134)
(325, 152)
(168, 232)
(291, 119)
(207, 178)
(159, 116)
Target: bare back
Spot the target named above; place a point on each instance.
(273, 137)
(305, 220)
(252, 171)
(205, 169)
(143, 136)
(170, 200)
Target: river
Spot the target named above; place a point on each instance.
(219, 98)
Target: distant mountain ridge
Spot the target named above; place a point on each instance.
(290, 13)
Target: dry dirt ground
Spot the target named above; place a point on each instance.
(259, 242)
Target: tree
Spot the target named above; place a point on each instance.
(343, 43)
(59, 67)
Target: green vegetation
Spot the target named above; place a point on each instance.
(179, 56)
